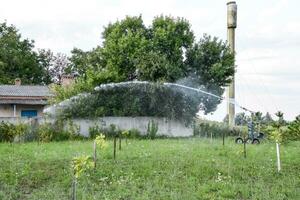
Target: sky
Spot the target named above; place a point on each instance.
(267, 38)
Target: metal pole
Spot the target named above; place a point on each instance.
(231, 25)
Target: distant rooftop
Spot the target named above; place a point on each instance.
(24, 91)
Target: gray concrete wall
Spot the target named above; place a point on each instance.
(165, 127)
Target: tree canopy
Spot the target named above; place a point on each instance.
(17, 58)
(164, 51)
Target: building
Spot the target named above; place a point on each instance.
(23, 100)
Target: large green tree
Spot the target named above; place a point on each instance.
(17, 58)
(164, 51)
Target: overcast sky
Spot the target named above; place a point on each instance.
(267, 38)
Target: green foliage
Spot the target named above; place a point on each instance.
(9, 132)
(81, 164)
(17, 58)
(152, 129)
(100, 141)
(294, 130)
(212, 62)
(94, 131)
(206, 128)
(283, 132)
(135, 99)
(241, 119)
(191, 168)
(60, 130)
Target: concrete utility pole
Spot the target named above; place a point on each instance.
(231, 25)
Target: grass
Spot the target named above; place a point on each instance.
(152, 169)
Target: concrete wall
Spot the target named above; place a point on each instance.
(166, 127)
(7, 110)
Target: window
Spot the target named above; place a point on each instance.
(28, 113)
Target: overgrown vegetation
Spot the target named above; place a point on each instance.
(152, 129)
(10, 132)
(151, 169)
(135, 99)
(204, 128)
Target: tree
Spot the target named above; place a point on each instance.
(60, 63)
(124, 42)
(45, 59)
(241, 119)
(17, 58)
(170, 38)
(154, 53)
(82, 61)
(163, 52)
(211, 61)
(267, 119)
(209, 64)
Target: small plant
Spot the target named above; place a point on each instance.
(94, 131)
(152, 129)
(10, 132)
(125, 134)
(80, 165)
(101, 142)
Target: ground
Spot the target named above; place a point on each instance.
(180, 169)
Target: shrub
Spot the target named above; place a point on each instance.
(6, 132)
(206, 128)
(58, 131)
(9, 132)
(94, 131)
(152, 129)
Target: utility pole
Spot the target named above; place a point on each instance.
(231, 25)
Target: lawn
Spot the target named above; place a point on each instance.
(152, 169)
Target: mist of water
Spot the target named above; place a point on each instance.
(52, 109)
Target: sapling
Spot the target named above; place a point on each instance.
(125, 134)
(80, 165)
(115, 146)
(276, 135)
(101, 142)
(120, 141)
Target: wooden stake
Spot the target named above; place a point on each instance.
(115, 146)
(245, 154)
(74, 185)
(223, 138)
(120, 143)
(278, 157)
(95, 154)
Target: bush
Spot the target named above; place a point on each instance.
(94, 131)
(206, 128)
(58, 131)
(152, 129)
(9, 132)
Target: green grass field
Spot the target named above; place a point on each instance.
(145, 169)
